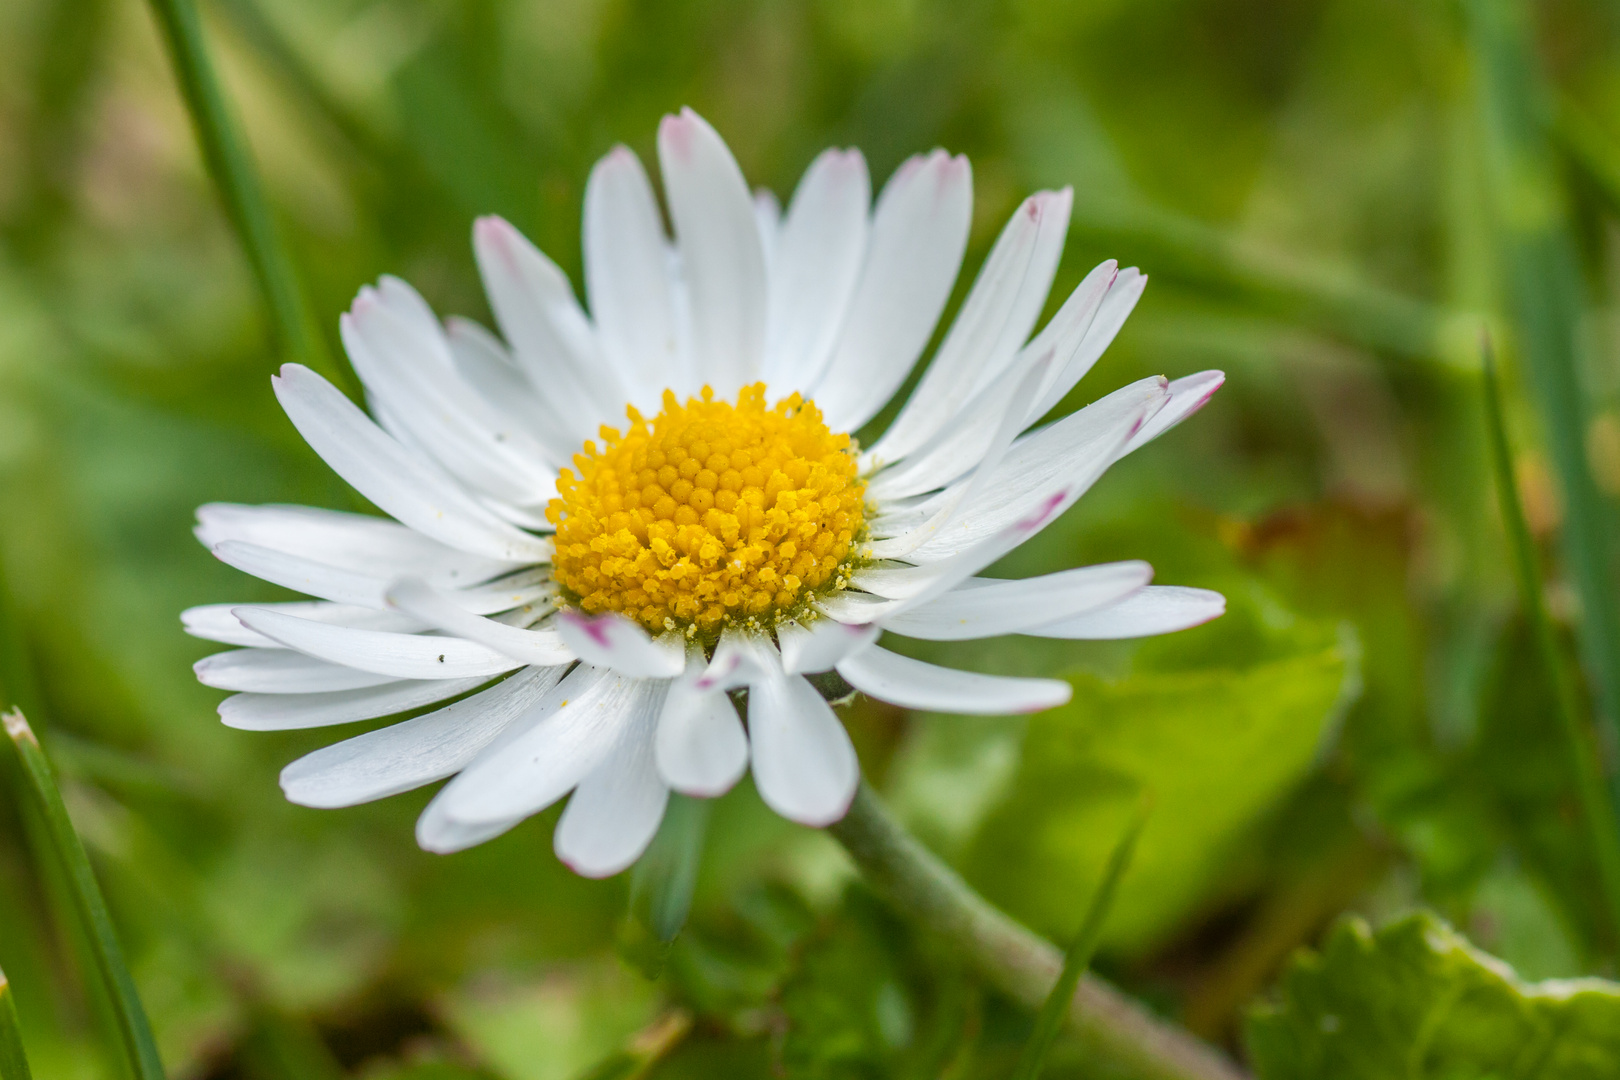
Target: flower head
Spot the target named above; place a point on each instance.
(603, 523)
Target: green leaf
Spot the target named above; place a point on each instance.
(553, 1028)
(1217, 747)
(1416, 999)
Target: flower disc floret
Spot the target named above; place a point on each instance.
(709, 514)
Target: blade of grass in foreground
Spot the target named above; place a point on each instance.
(1078, 958)
(239, 186)
(39, 788)
(13, 1062)
(1593, 794)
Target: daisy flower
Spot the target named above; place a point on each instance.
(606, 522)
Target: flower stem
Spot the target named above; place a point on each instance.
(13, 1062)
(1589, 786)
(39, 789)
(1011, 958)
(239, 187)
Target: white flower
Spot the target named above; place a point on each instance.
(704, 545)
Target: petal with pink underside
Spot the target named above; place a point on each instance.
(914, 684)
(614, 641)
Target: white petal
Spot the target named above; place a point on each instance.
(627, 277)
(1015, 514)
(996, 319)
(611, 640)
(402, 656)
(988, 608)
(279, 671)
(722, 259)
(700, 747)
(919, 233)
(550, 336)
(822, 645)
(345, 587)
(1066, 457)
(353, 589)
(815, 269)
(768, 216)
(615, 811)
(489, 369)
(415, 752)
(1158, 609)
(989, 451)
(355, 542)
(409, 369)
(901, 680)
(417, 598)
(736, 662)
(804, 764)
(288, 712)
(1187, 396)
(438, 833)
(385, 472)
(1085, 326)
(215, 622)
(575, 730)
(854, 608)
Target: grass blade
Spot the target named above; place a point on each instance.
(239, 186)
(1078, 957)
(1594, 796)
(1543, 283)
(13, 1062)
(39, 788)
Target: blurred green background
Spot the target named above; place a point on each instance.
(1309, 184)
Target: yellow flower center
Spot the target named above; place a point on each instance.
(709, 514)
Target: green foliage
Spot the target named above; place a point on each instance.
(1214, 747)
(1313, 188)
(1415, 999)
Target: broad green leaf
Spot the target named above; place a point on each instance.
(1416, 999)
(553, 1028)
(1217, 747)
